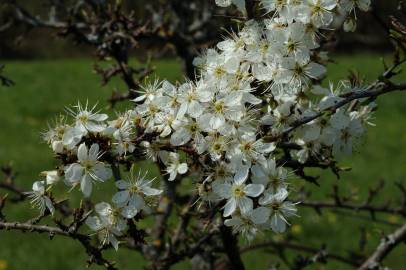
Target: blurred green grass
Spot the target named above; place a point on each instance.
(43, 89)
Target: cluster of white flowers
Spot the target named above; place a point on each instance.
(86, 165)
(132, 197)
(252, 88)
(39, 196)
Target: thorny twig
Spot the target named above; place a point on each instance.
(95, 255)
(388, 243)
(299, 247)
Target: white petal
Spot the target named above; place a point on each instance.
(241, 175)
(72, 136)
(38, 187)
(254, 190)
(180, 137)
(182, 168)
(121, 184)
(129, 211)
(230, 207)
(182, 110)
(121, 197)
(93, 151)
(223, 3)
(99, 117)
(151, 191)
(82, 152)
(204, 122)
(340, 120)
(281, 195)
(260, 215)
(94, 223)
(232, 65)
(217, 121)
(167, 130)
(102, 172)
(172, 175)
(137, 202)
(265, 147)
(312, 132)
(277, 224)
(195, 109)
(200, 143)
(86, 185)
(226, 44)
(289, 209)
(73, 172)
(113, 241)
(250, 98)
(93, 127)
(258, 171)
(223, 190)
(315, 71)
(103, 209)
(245, 204)
(52, 177)
(57, 146)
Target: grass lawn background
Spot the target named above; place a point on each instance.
(43, 89)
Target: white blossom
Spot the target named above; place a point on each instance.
(87, 169)
(51, 177)
(238, 194)
(266, 173)
(248, 224)
(228, 127)
(108, 224)
(280, 209)
(173, 164)
(133, 193)
(39, 198)
(87, 120)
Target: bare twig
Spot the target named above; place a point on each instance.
(388, 243)
(353, 206)
(298, 247)
(95, 255)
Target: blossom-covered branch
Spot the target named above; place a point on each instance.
(224, 145)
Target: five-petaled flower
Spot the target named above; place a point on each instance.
(133, 193)
(87, 169)
(238, 194)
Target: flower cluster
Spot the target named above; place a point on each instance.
(131, 198)
(252, 88)
(228, 126)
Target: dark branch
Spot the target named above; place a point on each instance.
(298, 247)
(230, 243)
(95, 255)
(356, 207)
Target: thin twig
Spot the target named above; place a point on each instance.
(297, 247)
(388, 243)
